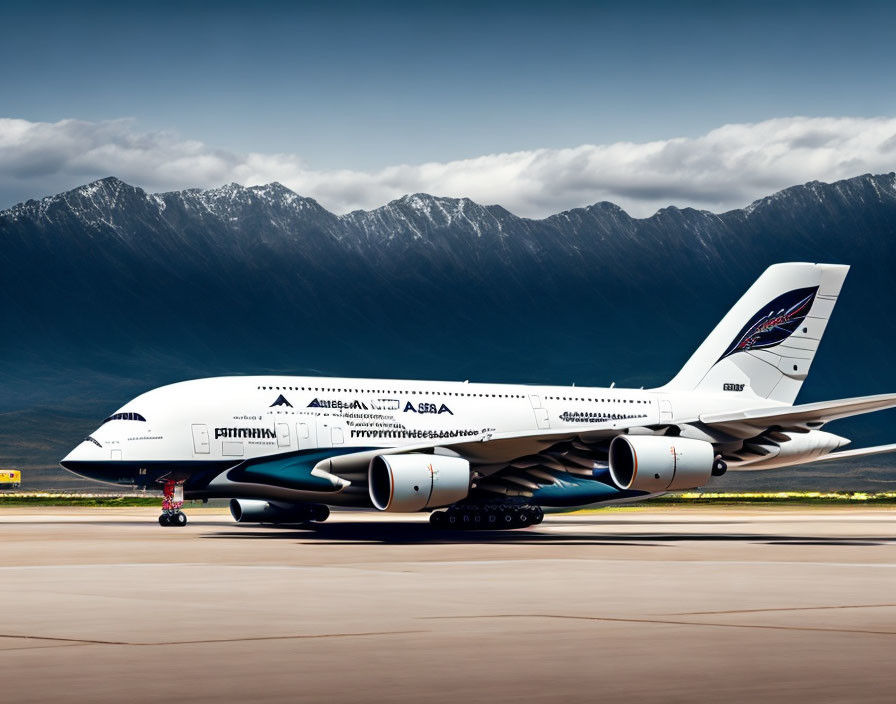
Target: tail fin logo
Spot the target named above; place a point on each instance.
(774, 323)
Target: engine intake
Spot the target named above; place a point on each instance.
(256, 511)
(660, 463)
(414, 482)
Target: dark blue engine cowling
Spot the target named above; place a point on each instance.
(259, 511)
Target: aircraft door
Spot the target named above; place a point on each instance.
(665, 411)
(541, 413)
(283, 439)
(306, 435)
(337, 436)
(323, 432)
(200, 440)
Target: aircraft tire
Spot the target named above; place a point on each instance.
(180, 519)
(485, 518)
(719, 467)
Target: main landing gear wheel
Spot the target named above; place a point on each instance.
(177, 519)
(172, 500)
(487, 517)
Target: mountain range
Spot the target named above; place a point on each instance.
(108, 291)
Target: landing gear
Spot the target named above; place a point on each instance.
(498, 517)
(178, 518)
(172, 500)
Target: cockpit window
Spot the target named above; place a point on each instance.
(125, 416)
(93, 440)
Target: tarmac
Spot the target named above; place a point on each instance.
(648, 605)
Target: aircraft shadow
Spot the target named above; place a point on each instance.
(401, 533)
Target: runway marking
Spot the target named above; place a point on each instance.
(248, 639)
(785, 608)
(668, 622)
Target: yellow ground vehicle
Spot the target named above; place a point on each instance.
(10, 478)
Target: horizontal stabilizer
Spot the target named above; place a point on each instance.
(861, 452)
(815, 413)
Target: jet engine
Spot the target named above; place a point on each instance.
(255, 511)
(414, 482)
(661, 463)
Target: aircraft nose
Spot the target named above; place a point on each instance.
(89, 450)
(66, 461)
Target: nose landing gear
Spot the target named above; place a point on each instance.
(176, 518)
(172, 501)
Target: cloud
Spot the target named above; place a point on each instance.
(725, 168)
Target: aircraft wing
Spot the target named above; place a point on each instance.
(512, 464)
(801, 416)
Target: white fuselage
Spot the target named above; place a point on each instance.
(230, 419)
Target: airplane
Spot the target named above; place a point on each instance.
(489, 456)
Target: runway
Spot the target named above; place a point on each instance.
(668, 605)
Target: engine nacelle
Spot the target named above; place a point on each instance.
(660, 463)
(414, 482)
(256, 511)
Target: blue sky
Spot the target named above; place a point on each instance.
(367, 86)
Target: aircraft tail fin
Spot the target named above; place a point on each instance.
(767, 341)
